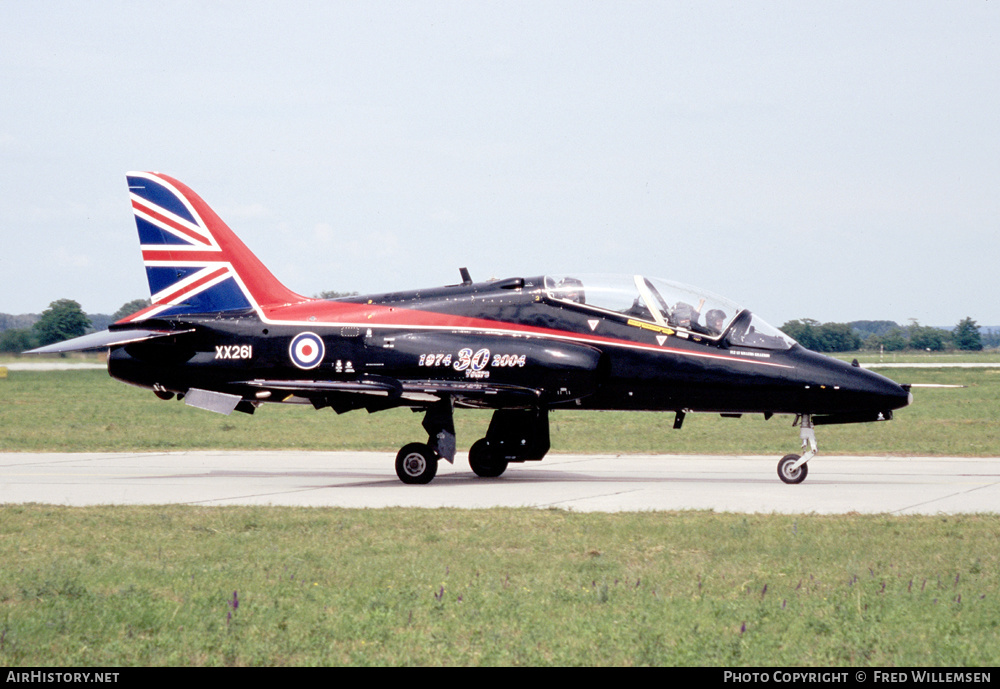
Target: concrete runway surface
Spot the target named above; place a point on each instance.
(586, 483)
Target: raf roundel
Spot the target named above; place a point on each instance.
(306, 350)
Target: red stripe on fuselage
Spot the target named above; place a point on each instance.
(319, 312)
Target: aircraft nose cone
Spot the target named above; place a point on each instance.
(836, 387)
(881, 392)
(882, 389)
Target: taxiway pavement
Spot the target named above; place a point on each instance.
(591, 483)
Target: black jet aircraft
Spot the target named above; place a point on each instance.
(224, 334)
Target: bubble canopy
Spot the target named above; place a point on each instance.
(669, 305)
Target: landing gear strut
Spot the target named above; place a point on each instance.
(792, 468)
(417, 463)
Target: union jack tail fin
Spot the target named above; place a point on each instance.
(194, 262)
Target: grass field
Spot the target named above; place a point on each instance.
(284, 586)
(79, 411)
(176, 585)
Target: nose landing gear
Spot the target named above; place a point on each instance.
(417, 463)
(792, 468)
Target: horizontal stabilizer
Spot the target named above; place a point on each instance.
(105, 339)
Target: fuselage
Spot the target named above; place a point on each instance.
(518, 335)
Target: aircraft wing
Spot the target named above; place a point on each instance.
(105, 339)
(469, 394)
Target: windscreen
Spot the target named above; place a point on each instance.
(751, 331)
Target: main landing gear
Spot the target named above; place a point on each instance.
(514, 435)
(485, 460)
(792, 468)
(416, 463)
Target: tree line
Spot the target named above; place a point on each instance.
(65, 319)
(888, 336)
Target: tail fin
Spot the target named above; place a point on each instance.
(194, 262)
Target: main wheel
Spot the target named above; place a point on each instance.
(482, 463)
(416, 463)
(789, 475)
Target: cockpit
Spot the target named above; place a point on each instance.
(669, 305)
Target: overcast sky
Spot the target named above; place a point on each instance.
(836, 161)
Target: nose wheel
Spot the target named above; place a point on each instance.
(793, 468)
(788, 472)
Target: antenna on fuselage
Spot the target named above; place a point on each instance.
(466, 278)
